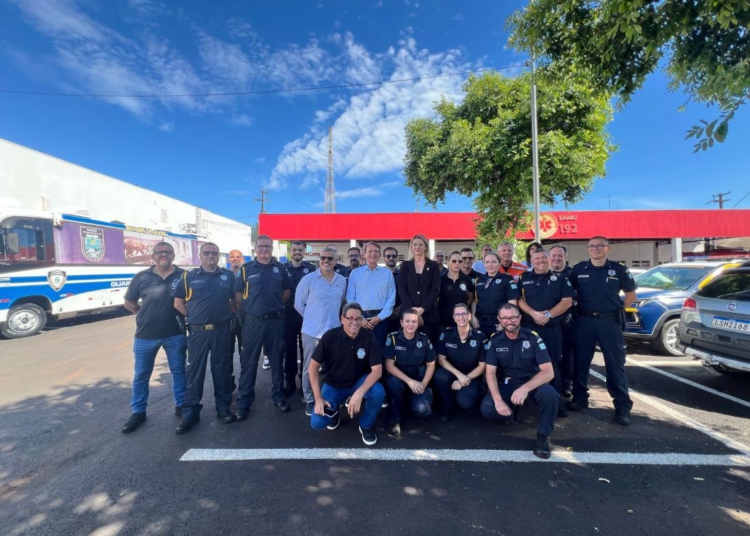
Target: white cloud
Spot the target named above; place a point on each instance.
(241, 120)
(166, 127)
(369, 133)
(358, 193)
(309, 182)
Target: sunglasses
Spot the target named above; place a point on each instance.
(163, 253)
(210, 253)
(467, 259)
(391, 256)
(326, 259)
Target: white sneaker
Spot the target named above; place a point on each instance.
(266, 363)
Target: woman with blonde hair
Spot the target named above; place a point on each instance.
(419, 286)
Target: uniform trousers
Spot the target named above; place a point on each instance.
(568, 356)
(543, 396)
(396, 390)
(608, 333)
(256, 335)
(336, 396)
(292, 342)
(552, 337)
(200, 344)
(466, 397)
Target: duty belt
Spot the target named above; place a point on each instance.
(259, 318)
(371, 312)
(511, 379)
(208, 327)
(611, 315)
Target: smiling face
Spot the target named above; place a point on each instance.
(298, 252)
(540, 262)
(263, 249)
(491, 264)
(418, 246)
(506, 253)
(454, 263)
(598, 249)
(461, 316)
(410, 323)
(236, 259)
(372, 254)
(557, 259)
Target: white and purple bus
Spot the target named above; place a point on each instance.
(61, 265)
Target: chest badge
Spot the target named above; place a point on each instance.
(497, 281)
(361, 353)
(473, 343)
(526, 345)
(611, 273)
(553, 278)
(462, 287)
(223, 277)
(419, 344)
(305, 271)
(275, 270)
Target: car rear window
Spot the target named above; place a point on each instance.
(728, 287)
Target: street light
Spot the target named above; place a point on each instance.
(535, 153)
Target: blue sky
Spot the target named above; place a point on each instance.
(217, 152)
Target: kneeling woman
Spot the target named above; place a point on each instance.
(460, 354)
(410, 361)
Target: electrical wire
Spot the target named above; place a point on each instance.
(740, 201)
(242, 93)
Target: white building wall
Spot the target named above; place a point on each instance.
(43, 182)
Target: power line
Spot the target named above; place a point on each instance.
(241, 93)
(741, 200)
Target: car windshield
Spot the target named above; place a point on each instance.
(728, 287)
(672, 277)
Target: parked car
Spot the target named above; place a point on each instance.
(655, 315)
(715, 322)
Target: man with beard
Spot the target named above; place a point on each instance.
(297, 269)
(390, 254)
(355, 256)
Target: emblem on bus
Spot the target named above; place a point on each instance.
(92, 243)
(56, 279)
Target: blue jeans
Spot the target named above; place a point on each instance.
(373, 401)
(145, 351)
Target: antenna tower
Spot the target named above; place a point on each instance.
(330, 201)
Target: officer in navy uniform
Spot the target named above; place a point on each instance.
(261, 288)
(491, 290)
(558, 261)
(519, 370)
(204, 296)
(600, 319)
(297, 269)
(460, 354)
(410, 361)
(390, 255)
(545, 297)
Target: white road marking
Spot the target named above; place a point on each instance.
(653, 402)
(690, 383)
(667, 363)
(447, 455)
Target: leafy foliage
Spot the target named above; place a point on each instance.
(704, 43)
(482, 146)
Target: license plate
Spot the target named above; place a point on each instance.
(731, 324)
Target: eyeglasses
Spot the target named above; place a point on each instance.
(355, 256)
(210, 253)
(261, 246)
(467, 259)
(460, 315)
(456, 260)
(326, 259)
(353, 319)
(163, 253)
(597, 246)
(391, 256)
(509, 318)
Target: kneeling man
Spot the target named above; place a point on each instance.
(353, 364)
(519, 369)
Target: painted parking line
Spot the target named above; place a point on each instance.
(691, 383)
(666, 363)
(448, 455)
(681, 417)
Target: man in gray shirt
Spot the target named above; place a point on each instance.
(318, 300)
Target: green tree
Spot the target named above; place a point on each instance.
(704, 46)
(481, 147)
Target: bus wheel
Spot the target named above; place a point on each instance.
(24, 320)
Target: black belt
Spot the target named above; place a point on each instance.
(611, 315)
(371, 312)
(269, 316)
(509, 379)
(208, 327)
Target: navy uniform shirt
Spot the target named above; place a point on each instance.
(262, 286)
(451, 293)
(156, 319)
(598, 287)
(491, 292)
(347, 359)
(543, 291)
(464, 356)
(409, 355)
(342, 270)
(296, 273)
(517, 358)
(207, 295)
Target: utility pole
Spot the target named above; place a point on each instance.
(263, 199)
(720, 199)
(329, 207)
(535, 153)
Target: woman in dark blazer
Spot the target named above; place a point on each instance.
(419, 286)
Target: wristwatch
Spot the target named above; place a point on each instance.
(547, 314)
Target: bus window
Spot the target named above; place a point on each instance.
(27, 241)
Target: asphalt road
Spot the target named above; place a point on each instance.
(65, 468)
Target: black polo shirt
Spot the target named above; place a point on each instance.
(347, 359)
(517, 358)
(543, 291)
(598, 287)
(296, 273)
(451, 293)
(464, 356)
(206, 294)
(409, 354)
(262, 286)
(491, 292)
(156, 319)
